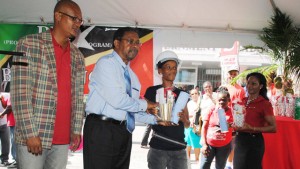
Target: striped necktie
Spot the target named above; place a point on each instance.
(130, 115)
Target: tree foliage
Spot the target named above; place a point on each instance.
(282, 43)
(282, 37)
(267, 71)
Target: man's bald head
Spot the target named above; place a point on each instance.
(65, 3)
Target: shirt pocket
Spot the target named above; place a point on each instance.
(135, 92)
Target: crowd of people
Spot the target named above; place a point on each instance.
(240, 147)
(246, 141)
(48, 109)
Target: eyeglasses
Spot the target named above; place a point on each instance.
(132, 42)
(169, 68)
(74, 18)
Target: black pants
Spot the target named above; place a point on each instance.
(249, 151)
(105, 145)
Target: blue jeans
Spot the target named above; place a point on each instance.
(4, 136)
(221, 154)
(54, 158)
(12, 142)
(162, 159)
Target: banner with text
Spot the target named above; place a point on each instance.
(93, 41)
(228, 59)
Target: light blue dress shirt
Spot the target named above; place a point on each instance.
(108, 94)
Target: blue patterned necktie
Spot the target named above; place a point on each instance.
(130, 116)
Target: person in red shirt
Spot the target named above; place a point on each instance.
(11, 124)
(216, 143)
(259, 117)
(4, 133)
(237, 93)
(47, 92)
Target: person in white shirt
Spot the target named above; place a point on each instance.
(209, 97)
(192, 138)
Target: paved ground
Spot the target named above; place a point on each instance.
(138, 155)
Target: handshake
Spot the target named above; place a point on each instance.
(152, 108)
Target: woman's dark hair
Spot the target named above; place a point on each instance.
(262, 80)
(223, 90)
(121, 31)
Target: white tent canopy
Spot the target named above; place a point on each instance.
(188, 23)
(176, 23)
(212, 15)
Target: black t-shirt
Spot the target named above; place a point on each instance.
(175, 133)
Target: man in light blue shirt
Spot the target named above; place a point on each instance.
(107, 139)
